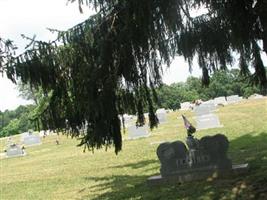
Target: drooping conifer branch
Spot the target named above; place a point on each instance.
(111, 63)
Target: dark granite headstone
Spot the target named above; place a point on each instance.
(203, 159)
(209, 152)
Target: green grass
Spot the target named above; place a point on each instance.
(51, 171)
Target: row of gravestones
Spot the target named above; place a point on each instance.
(256, 96)
(27, 139)
(205, 116)
(217, 101)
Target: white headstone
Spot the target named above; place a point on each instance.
(42, 133)
(15, 151)
(256, 96)
(32, 140)
(137, 132)
(186, 106)
(128, 120)
(233, 99)
(208, 121)
(161, 115)
(220, 101)
(23, 135)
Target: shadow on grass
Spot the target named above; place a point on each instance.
(136, 165)
(247, 148)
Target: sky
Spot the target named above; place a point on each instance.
(33, 17)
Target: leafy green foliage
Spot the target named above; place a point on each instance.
(222, 83)
(16, 121)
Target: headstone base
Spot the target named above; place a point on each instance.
(198, 174)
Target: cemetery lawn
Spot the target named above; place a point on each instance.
(51, 171)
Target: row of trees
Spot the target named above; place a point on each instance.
(16, 121)
(222, 83)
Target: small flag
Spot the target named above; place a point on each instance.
(189, 127)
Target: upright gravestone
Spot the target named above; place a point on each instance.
(204, 109)
(208, 121)
(31, 140)
(220, 101)
(15, 151)
(256, 96)
(44, 133)
(128, 120)
(135, 132)
(186, 106)
(205, 118)
(233, 99)
(202, 159)
(161, 115)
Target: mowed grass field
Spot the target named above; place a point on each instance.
(51, 171)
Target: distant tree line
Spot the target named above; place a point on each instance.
(222, 83)
(16, 121)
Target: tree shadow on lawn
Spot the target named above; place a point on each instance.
(138, 165)
(253, 185)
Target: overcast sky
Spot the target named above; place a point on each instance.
(33, 17)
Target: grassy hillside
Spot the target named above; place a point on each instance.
(51, 171)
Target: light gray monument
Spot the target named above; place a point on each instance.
(186, 106)
(256, 96)
(220, 101)
(161, 115)
(128, 120)
(15, 151)
(44, 133)
(31, 140)
(135, 132)
(204, 109)
(208, 121)
(233, 99)
(205, 117)
(202, 159)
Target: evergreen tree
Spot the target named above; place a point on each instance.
(111, 63)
